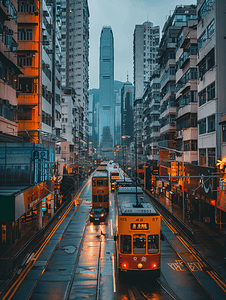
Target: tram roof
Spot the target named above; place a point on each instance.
(126, 197)
(101, 173)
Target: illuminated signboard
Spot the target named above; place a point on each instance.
(139, 226)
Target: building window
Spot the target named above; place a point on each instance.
(211, 157)
(210, 29)
(24, 60)
(211, 91)
(194, 145)
(25, 34)
(224, 133)
(211, 123)
(202, 126)
(202, 157)
(202, 97)
(26, 114)
(210, 59)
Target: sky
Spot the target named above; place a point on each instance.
(122, 16)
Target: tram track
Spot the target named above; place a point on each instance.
(21, 271)
(189, 245)
(136, 293)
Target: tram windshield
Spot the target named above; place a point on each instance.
(125, 243)
(153, 243)
(139, 244)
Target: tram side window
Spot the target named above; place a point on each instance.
(94, 198)
(94, 182)
(153, 243)
(99, 182)
(105, 198)
(100, 198)
(125, 244)
(105, 182)
(139, 244)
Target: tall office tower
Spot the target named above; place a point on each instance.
(106, 87)
(75, 58)
(127, 98)
(145, 47)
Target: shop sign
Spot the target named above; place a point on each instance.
(221, 194)
(174, 170)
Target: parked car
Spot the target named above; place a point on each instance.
(97, 214)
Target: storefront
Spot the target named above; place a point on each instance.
(16, 205)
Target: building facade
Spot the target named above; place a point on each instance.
(145, 49)
(127, 118)
(8, 67)
(167, 62)
(75, 57)
(211, 85)
(106, 89)
(186, 92)
(151, 113)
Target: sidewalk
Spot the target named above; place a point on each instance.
(7, 252)
(208, 242)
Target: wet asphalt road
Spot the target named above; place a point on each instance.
(60, 272)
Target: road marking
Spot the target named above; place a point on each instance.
(31, 263)
(110, 202)
(131, 294)
(113, 270)
(111, 227)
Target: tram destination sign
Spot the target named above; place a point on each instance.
(139, 226)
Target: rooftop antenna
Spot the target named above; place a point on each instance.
(127, 76)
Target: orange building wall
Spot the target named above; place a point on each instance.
(29, 128)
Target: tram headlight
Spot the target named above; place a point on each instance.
(140, 266)
(91, 215)
(102, 215)
(154, 265)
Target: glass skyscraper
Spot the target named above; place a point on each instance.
(106, 88)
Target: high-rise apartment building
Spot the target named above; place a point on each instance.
(75, 58)
(39, 89)
(167, 62)
(106, 89)
(212, 74)
(8, 67)
(145, 49)
(186, 91)
(151, 113)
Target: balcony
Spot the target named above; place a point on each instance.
(167, 144)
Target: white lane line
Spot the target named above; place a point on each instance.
(111, 227)
(113, 271)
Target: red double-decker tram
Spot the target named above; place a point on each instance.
(137, 233)
(100, 189)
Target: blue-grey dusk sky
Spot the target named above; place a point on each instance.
(122, 16)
